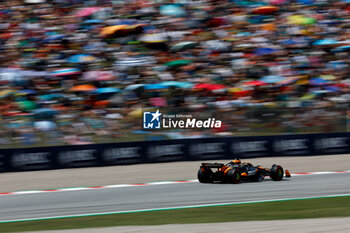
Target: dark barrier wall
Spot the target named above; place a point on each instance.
(58, 157)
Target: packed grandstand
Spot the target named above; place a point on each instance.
(78, 72)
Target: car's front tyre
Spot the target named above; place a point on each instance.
(276, 173)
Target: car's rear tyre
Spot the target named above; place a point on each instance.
(233, 176)
(203, 176)
(276, 173)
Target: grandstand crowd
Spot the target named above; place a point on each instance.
(76, 72)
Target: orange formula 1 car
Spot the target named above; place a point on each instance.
(236, 171)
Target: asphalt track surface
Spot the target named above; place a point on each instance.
(166, 196)
(138, 173)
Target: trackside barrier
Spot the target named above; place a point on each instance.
(58, 157)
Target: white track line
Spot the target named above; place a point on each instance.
(173, 208)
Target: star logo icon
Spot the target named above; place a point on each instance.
(152, 120)
(156, 115)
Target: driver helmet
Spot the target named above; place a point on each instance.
(237, 161)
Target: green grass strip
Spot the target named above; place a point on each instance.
(275, 210)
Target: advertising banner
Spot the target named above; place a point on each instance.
(107, 154)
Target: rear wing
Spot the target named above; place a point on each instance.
(213, 165)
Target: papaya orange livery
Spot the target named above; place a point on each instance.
(237, 171)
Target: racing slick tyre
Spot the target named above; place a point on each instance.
(276, 173)
(203, 176)
(233, 176)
